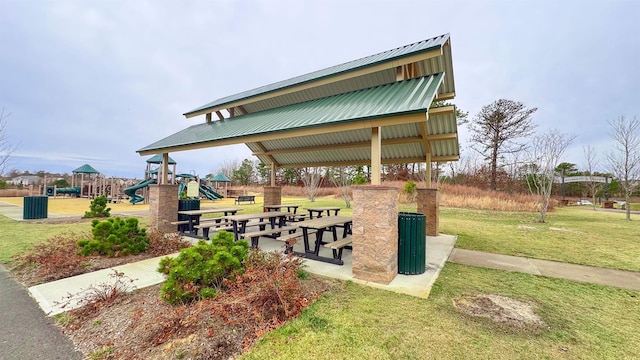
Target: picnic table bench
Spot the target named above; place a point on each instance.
(248, 198)
(255, 235)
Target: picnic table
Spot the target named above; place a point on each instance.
(319, 210)
(319, 226)
(239, 222)
(290, 207)
(194, 216)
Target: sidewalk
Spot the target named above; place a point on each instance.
(617, 278)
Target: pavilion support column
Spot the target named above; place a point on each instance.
(272, 196)
(163, 207)
(427, 177)
(165, 169)
(376, 155)
(375, 233)
(429, 204)
(273, 174)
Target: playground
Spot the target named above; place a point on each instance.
(88, 183)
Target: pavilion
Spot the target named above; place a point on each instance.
(379, 108)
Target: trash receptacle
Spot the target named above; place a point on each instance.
(35, 207)
(186, 204)
(412, 243)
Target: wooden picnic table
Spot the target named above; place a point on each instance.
(194, 216)
(239, 222)
(319, 225)
(319, 210)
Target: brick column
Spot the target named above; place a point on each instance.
(429, 204)
(163, 206)
(272, 195)
(375, 233)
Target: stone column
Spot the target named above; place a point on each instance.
(163, 207)
(375, 233)
(429, 204)
(272, 195)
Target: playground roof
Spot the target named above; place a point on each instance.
(157, 159)
(221, 178)
(331, 117)
(85, 169)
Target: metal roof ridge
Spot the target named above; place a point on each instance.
(283, 84)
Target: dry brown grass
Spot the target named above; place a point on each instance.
(455, 196)
(15, 193)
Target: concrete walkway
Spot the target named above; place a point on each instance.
(618, 278)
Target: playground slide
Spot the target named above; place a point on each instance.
(59, 191)
(210, 193)
(131, 191)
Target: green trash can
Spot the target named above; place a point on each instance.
(35, 207)
(186, 204)
(412, 243)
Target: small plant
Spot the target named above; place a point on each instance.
(88, 301)
(410, 188)
(98, 208)
(115, 237)
(200, 271)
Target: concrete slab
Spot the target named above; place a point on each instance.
(438, 250)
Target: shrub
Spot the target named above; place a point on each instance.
(200, 271)
(115, 237)
(98, 208)
(161, 243)
(410, 187)
(265, 296)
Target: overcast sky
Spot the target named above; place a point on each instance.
(94, 81)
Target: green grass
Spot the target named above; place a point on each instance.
(18, 236)
(358, 322)
(573, 235)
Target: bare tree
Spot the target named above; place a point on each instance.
(228, 167)
(624, 160)
(496, 129)
(342, 178)
(591, 162)
(312, 178)
(546, 151)
(6, 149)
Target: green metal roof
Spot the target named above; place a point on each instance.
(399, 98)
(157, 159)
(221, 178)
(86, 169)
(386, 56)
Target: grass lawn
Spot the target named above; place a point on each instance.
(357, 322)
(571, 234)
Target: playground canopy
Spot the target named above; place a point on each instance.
(157, 159)
(85, 169)
(220, 178)
(378, 107)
